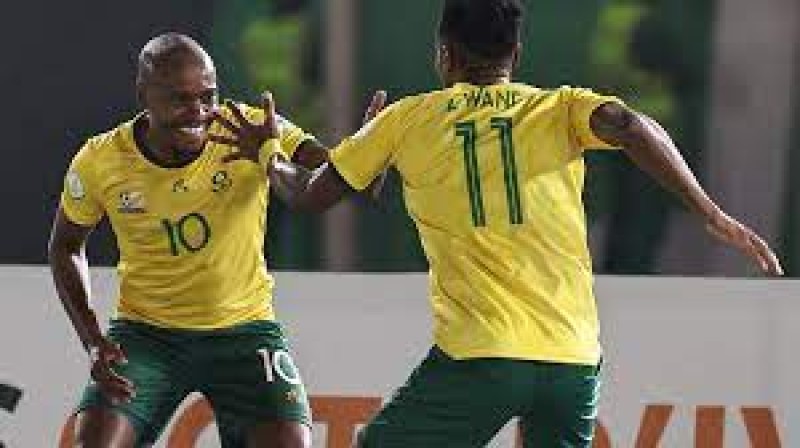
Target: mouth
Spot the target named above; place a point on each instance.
(194, 131)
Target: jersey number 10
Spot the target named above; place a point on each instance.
(176, 232)
(469, 135)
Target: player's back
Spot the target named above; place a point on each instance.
(493, 177)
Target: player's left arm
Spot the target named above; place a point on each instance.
(304, 189)
(650, 147)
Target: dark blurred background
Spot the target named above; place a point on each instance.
(719, 75)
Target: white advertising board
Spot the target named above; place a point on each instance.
(705, 363)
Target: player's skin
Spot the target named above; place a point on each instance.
(180, 103)
(645, 142)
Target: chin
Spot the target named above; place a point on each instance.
(190, 143)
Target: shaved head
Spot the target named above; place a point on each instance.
(176, 84)
(170, 52)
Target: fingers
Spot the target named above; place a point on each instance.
(234, 156)
(268, 104)
(116, 387)
(114, 354)
(376, 105)
(230, 141)
(769, 262)
(238, 114)
(227, 124)
(736, 234)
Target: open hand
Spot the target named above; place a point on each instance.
(103, 358)
(736, 234)
(247, 137)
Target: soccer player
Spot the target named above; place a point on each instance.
(194, 311)
(492, 174)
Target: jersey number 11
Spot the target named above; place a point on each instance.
(468, 132)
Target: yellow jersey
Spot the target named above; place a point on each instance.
(191, 238)
(492, 177)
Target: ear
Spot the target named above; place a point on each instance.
(516, 55)
(140, 95)
(444, 56)
(452, 57)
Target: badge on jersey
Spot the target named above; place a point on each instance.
(221, 181)
(131, 202)
(75, 186)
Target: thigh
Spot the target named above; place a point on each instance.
(444, 403)
(268, 434)
(279, 434)
(254, 386)
(153, 367)
(564, 410)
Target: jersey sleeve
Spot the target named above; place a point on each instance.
(582, 103)
(79, 199)
(291, 135)
(360, 158)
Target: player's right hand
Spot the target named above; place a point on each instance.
(103, 357)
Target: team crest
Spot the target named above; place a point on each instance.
(131, 202)
(220, 181)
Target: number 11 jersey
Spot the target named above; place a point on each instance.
(493, 177)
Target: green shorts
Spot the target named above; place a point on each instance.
(451, 403)
(245, 372)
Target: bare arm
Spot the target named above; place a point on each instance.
(304, 189)
(70, 270)
(649, 146)
(301, 188)
(310, 155)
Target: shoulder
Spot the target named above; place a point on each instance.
(572, 93)
(411, 105)
(105, 144)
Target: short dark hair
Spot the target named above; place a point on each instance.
(169, 50)
(487, 29)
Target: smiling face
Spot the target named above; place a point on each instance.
(179, 105)
(177, 87)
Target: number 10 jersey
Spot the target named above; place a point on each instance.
(190, 239)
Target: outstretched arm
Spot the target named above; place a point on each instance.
(318, 189)
(311, 154)
(650, 147)
(303, 189)
(311, 159)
